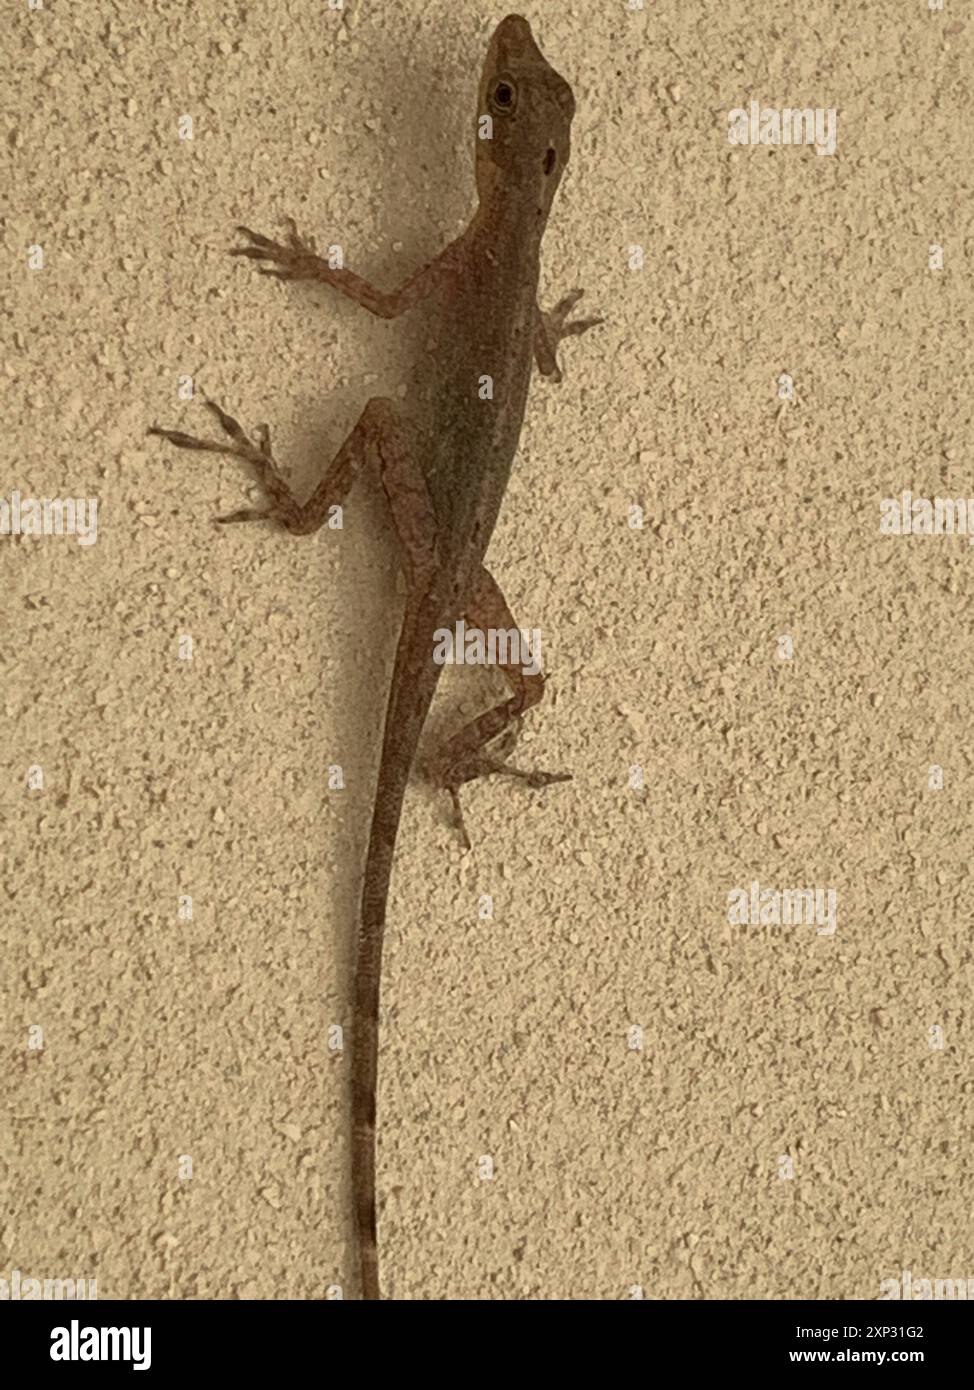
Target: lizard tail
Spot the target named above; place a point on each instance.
(413, 686)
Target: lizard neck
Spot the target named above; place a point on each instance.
(511, 216)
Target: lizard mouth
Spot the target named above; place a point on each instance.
(549, 161)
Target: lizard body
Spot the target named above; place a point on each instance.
(444, 456)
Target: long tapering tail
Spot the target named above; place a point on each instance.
(413, 686)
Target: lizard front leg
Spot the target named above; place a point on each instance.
(464, 757)
(551, 327)
(298, 260)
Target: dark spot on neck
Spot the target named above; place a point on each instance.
(549, 161)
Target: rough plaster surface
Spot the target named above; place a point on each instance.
(162, 777)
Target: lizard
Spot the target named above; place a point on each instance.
(444, 455)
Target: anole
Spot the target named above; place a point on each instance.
(444, 456)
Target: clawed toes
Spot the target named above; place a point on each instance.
(297, 241)
(458, 822)
(535, 779)
(232, 427)
(257, 239)
(564, 306)
(182, 441)
(229, 424)
(546, 779)
(257, 456)
(264, 249)
(572, 330)
(557, 323)
(247, 514)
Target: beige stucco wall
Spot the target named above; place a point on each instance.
(162, 777)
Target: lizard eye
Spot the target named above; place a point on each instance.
(503, 96)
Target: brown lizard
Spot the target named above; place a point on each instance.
(444, 456)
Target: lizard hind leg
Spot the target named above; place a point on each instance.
(482, 747)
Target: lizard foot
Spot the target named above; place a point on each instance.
(298, 260)
(553, 326)
(258, 455)
(482, 766)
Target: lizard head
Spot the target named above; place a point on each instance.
(530, 109)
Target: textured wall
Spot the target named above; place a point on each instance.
(767, 1050)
